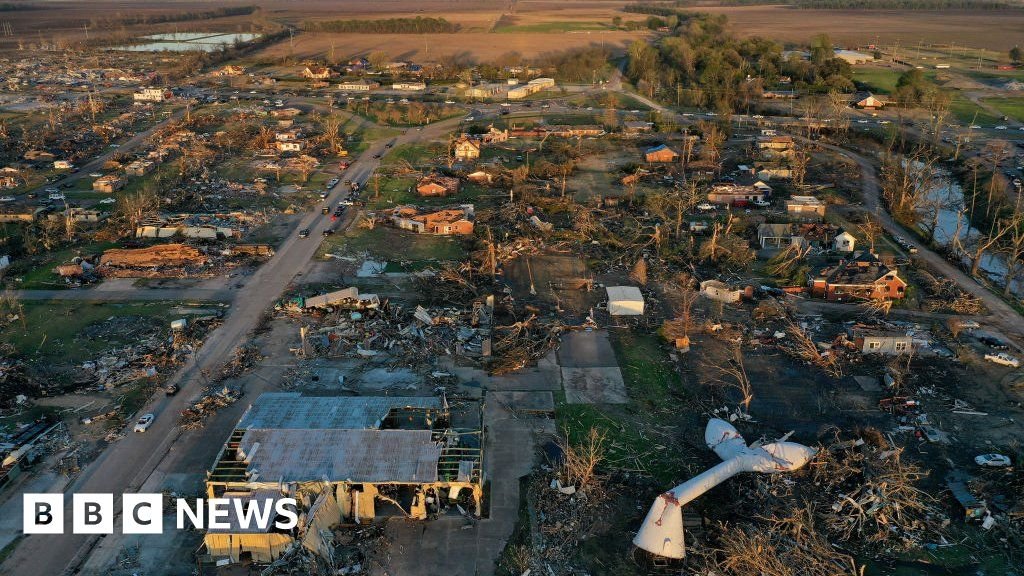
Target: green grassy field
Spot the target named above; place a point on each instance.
(966, 112)
(651, 384)
(51, 331)
(1012, 107)
(881, 80)
(392, 245)
(41, 274)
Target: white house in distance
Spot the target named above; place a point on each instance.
(358, 86)
(844, 242)
(289, 146)
(151, 95)
(625, 301)
(409, 86)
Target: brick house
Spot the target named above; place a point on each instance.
(448, 221)
(661, 153)
(863, 277)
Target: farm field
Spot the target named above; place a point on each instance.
(478, 46)
(995, 30)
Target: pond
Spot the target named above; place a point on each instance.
(993, 265)
(187, 42)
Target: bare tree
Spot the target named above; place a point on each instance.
(1013, 246)
(134, 208)
(733, 374)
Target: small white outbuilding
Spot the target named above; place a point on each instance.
(844, 242)
(625, 301)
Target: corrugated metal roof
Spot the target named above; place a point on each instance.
(339, 455)
(293, 411)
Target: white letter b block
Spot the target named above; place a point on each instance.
(43, 513)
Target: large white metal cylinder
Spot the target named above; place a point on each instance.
(662, 530)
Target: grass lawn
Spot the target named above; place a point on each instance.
(966, 112)
(51, 332)
(653, 388)
(880, 80)
(42, 276)
(392, 245)
(1012, 107)
(414, 154)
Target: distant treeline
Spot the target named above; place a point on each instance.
(186, 16)
(417, 25)
(907, 5)
(11, 7)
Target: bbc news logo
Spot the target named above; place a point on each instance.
(144, 513)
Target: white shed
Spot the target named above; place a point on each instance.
(843, 242)
(625, 301)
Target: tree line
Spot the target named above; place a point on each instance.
(12, 7)
(181, 16)
(417, 25)
(701, 64)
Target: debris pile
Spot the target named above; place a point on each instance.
(245, 358)
(946, 296)
(177, 260)
(150, 355)
(194, 417)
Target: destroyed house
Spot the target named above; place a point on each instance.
(863, 277)
(467, 148)
(363, 455)
(776, 236)
(434, 185)
(444, 222)
(878, 341)
(737, 195)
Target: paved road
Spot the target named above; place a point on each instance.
(1004, 316)
(127, 464)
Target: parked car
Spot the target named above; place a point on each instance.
(993, 342)
(762, 203)
(144, 422)
(108, 201)
(705, 206)
(304, 233)
(992, 460)
(171, 389)
(1003, 359)
(328, 231)
(6, 198)
(56, 196)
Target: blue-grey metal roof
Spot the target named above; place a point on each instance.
(293, 411)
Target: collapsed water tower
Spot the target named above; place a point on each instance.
(661, 533)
